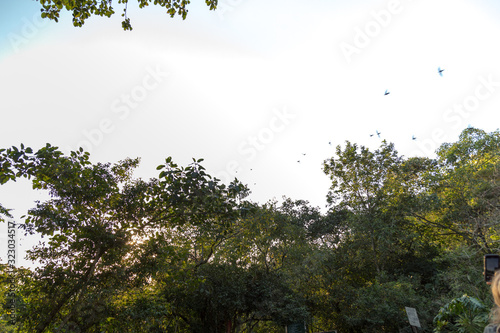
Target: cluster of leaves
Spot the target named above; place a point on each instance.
(463, 314)
(183, 252)
(84, 9)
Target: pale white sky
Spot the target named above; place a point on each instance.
(253, 85)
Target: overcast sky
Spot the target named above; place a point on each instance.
(250, 87)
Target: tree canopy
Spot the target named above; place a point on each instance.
(183, 252)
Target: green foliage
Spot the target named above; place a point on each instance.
(461, 272)
(372, 193)
(380, 306)
(84, 9)
(468, 188)
(218, 294)
(463, 314)
(94, 219)
(6, 276)
(183, 252)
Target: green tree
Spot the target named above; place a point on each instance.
(90, 221)
(378, 241)
(249, 283)
(468, 189)
(97, 220)
(371, 193)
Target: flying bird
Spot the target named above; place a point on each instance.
(413, 137)
(378, 134)
(386, 92)
(440, 71)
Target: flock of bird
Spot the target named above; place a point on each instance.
(387, 92)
